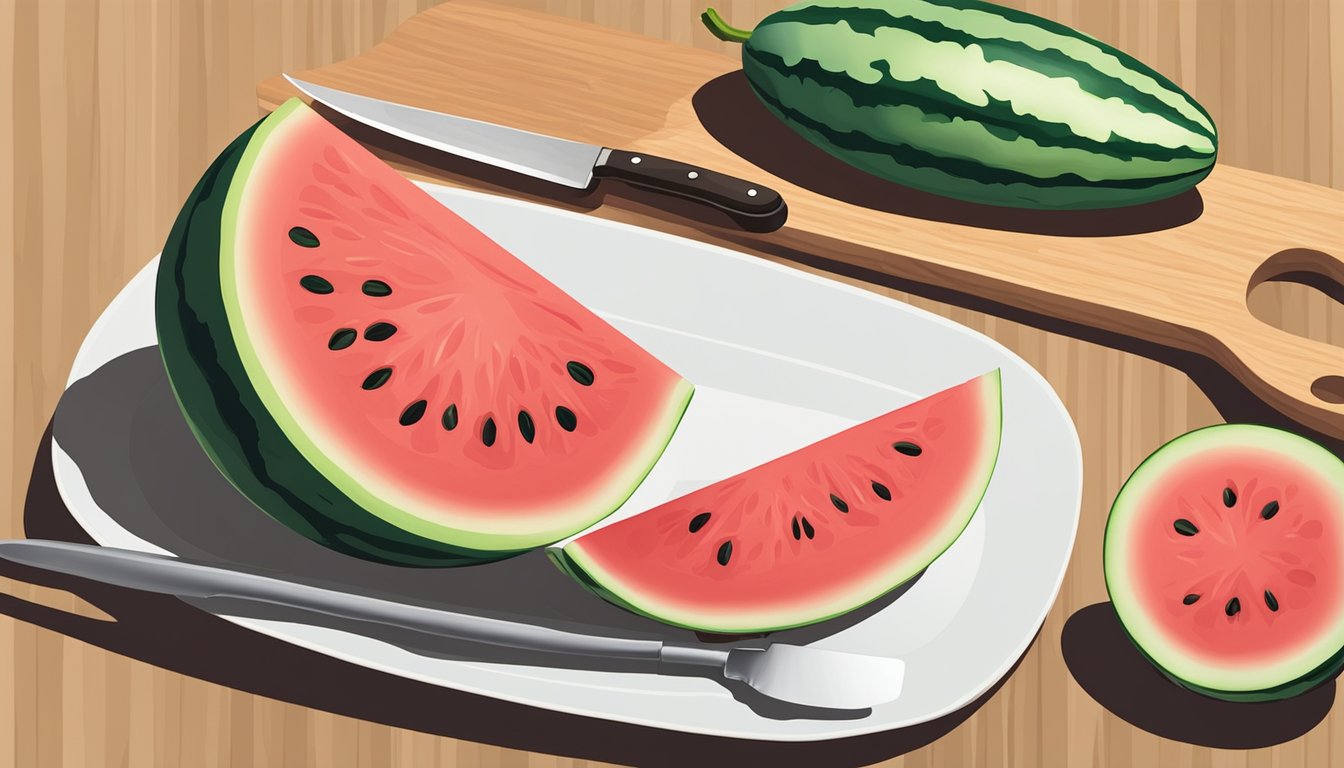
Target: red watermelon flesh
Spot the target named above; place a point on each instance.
(810, 535)
(377, 373)
(1225, 560)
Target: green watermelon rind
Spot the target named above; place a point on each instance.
(571, 559)
(228, 415)
(1326, 672)
(1125, 603)
(924, 131)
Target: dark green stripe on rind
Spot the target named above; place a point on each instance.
(1050, 61)
(997, 116)
(973, 181)
(224, 412)
(1022, 17)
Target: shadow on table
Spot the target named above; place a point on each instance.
(129, 397)
(1108, 666)
(732, 114)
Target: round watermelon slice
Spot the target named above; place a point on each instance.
(1224, 560)
(810, 535)
(377, 374)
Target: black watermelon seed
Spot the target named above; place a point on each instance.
(1229, 498)
(303, 237)
(488, 432)
(1271, 509)
(699, 521)
(315, 284)
(839, 503)
(725, 552)
(1233, 607)
(797, 534)
(882, 491)
(1271, 601)
(376, 288)
(907, 448)
(808, 529)
(449, 419)
(342, 338)
(566, 418)
(1185, 527)
(525, 426)
(580, 373)
(377, 379)
(413, 413)
(380, 331)
(1190, 599)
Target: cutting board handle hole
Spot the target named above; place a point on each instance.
(1296, 287)
(1329, 388)
(1304, 266)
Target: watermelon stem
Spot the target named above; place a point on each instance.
(721, 29)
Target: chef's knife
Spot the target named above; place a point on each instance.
(571, 163)
(805, 675)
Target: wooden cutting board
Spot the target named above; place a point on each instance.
(1175, 273)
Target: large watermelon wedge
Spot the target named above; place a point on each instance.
(377, 374)
(810, 535)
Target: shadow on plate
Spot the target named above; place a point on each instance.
(129, 397)
(732, 114)
(1108, 666)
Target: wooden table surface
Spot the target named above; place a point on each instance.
(109, 112)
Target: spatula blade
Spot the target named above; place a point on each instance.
(818, 677)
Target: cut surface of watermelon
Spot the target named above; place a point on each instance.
(810, 535)
(376, 373)
(1224, 556)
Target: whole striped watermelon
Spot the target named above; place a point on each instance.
(976, 101)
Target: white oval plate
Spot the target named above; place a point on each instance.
(780, 358)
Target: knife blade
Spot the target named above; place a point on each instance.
(573, 164)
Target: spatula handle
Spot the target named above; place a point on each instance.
(172, 576)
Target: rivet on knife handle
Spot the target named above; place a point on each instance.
(754, 206)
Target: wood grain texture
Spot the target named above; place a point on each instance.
(110, 110)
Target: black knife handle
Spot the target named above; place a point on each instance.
(753, 206)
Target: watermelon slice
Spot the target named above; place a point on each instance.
(377, 374)
(810, 535)
(1224, 560)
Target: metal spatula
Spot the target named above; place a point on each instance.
(798, 674)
